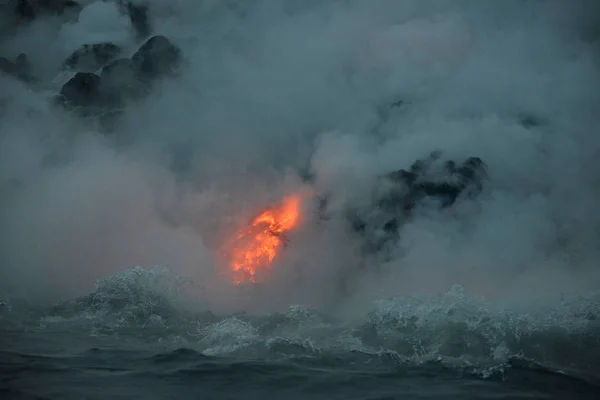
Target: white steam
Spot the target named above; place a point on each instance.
(271, 90)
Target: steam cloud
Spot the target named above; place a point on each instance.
(273, 91)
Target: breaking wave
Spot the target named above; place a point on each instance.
(452, 331)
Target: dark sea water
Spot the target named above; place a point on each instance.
(126, 341)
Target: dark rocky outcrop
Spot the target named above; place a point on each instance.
(430, 181)
(444, 183)
(83, 90)
(122, 79)
(86, 96)
(103, 80)
(90, 57)
(157, 57)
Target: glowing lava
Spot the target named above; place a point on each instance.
(254, 248)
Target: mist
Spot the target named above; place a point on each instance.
(273, 92)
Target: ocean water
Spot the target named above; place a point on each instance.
(494, 298)
(128, 340)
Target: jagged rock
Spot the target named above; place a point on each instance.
(20, 68)
(90, 57)
(82, 90)
(444, 183)
(119, 81)
(401, 191)
(157, 57)
(85, 95)
(118, 72)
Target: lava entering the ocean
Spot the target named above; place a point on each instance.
(254, 247)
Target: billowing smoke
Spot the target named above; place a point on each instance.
(272, 97)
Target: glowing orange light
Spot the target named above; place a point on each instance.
(254, 248)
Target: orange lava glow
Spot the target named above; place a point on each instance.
(254, 247)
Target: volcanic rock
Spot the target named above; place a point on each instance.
(82, 90)
(429, 181)
(157, 57)
(119, 81)
(445, 184)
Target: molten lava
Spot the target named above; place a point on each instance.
(254, 248)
